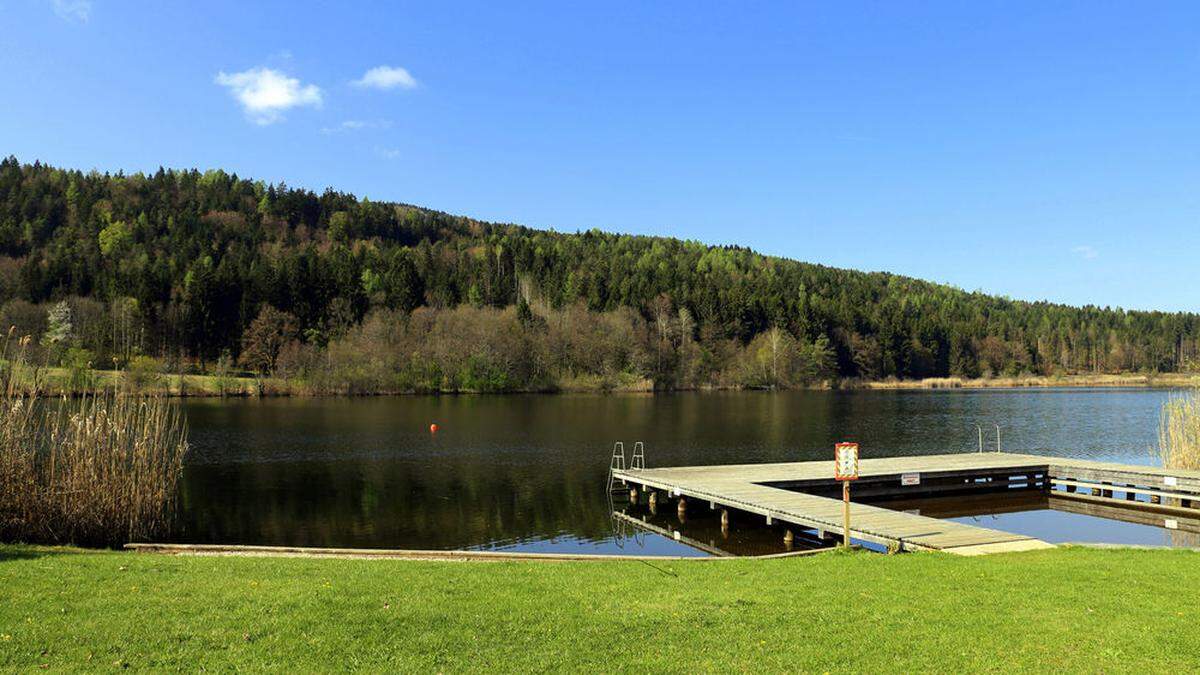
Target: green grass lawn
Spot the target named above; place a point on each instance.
(1065, 609)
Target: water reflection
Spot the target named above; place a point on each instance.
(707, 532)
(528, 472)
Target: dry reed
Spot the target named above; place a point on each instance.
(1179, 432)
(99, 470)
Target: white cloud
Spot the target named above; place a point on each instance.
(265, 93)
(73, 10)
(357, 125)
(1086, 252)
(386, 77)
(388, 153)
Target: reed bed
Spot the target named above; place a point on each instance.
(98, 470)
(1012, 382)
(1179, 432)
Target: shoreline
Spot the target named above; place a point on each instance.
(55, 382)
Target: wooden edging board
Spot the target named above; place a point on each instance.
(404, 554)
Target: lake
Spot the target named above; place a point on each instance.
(528, 473)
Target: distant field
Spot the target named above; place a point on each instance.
(1069, 609)
(58, 381)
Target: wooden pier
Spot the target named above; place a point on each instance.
(801, 494)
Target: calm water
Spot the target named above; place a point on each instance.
(528, 472)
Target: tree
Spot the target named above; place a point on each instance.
(114, 238)
(125, 323)
(769, 360)
(265, 337)
(867, 354)
(59, 331)
(817, 361)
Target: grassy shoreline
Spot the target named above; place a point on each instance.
(57, 382)
(1074, 609)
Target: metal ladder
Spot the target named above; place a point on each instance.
(639, 456)
(980, 429)
(617, 463)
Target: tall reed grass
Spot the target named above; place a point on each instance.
(97, 470)
(1179, 432)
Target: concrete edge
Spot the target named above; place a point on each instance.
(1136, 547)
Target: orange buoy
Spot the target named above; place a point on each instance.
(433, 428)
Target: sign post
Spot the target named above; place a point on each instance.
(845, 469)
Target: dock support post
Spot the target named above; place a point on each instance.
(654, 502)
(788, 539)
(846, 509)
(633, 495)
(1155, 499)
(682, 506)
(724, 517)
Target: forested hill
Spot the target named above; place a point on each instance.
(196, 269)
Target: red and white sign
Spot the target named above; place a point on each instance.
(845, 465)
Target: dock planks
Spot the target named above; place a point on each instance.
(748, 487)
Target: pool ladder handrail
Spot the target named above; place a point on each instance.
(616, 463)
(638, 462)
(980, 429)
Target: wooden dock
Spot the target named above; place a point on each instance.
(802, 494)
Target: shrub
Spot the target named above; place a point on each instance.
(144, 372)
(80, 376)
(223, 378)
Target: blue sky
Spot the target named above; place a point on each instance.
(1036, 150)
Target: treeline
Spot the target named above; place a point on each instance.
(494, 350)
(205, 271)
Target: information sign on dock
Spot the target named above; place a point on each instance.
(845, 461)
(845, 469)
